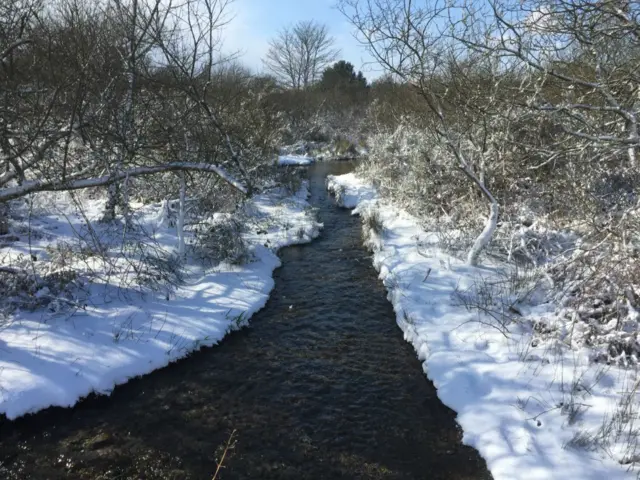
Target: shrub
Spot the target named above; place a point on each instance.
(222, 241)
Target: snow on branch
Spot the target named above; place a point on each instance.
(9, 270)
(17, 44)
(53, 185)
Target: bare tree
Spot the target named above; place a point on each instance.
(55, 95)
(15, 30)
(581, 61)
(189, 53)
(39, 105)
(299, 54)
(583, 58)
(536, 103)
(134, 21)
(408, 42)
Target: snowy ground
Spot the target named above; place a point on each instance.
(295, 160)
(54, 357)
(305, 153)
(533, 411)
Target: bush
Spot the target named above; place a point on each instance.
(222, 241)
(30, 285)
(372, 227)
(157, 270)
(291, 178)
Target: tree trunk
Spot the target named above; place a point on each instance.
(632, 129)
(113, 192)
(181, 215)
(492, 222)
(4, 218)
(128, 121)
(485, 237)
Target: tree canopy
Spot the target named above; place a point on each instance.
(342, 75)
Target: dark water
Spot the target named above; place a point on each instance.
(321, 385)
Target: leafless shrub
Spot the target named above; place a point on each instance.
(31, 285)
(372, 221)
(158, 270)
(222, 242)
(618, 429)
(372, 227)
(290, 178)
(455, 240)
(491, 303)
(581, 440)
(573, 410)
(497, 298)
(339, 191)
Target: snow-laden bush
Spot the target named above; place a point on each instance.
(30, 284)
(411, 167)
(372, 226)
(576, 227)
(534, 243)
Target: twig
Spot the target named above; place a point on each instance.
(224, 454)
(427, 276)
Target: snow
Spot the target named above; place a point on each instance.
(54, 358)
(295, 160)
(515, 401)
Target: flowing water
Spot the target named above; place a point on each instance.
(321, 385)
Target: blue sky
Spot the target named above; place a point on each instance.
(256, 21)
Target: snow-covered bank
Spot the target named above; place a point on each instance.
(533, 411)
(305, 153)
(295, 160)
(114, 333)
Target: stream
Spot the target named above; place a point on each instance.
(321, 385)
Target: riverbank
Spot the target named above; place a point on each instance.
(113, 332)
(529, 410)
